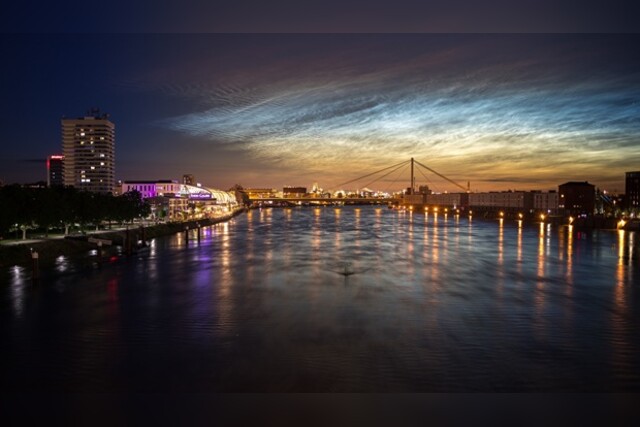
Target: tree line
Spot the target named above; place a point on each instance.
(23, 208)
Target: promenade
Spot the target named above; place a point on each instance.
(18, 251)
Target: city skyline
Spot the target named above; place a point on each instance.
(502, 111)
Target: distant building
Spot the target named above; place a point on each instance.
(294, 191)
(632, 190)
(55, 164)
(188, 179)
(424, 189)
(577, 198)
(260, 193)
(521, 201)
(88, 146)
(546, 203)
(452, 200)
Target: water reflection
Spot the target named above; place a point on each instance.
(437, 303)
(17, 285)
(61, 264)
(435, 250)
(519, 247)
(500, 244)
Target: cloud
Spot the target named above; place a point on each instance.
(478, 104)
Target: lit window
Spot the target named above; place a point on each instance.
(81, 133)
(93, 167)
(101, 163)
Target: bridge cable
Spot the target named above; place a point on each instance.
(441, 176)
(388, 173)
(373, 173)
(429, 180)
(386, 190)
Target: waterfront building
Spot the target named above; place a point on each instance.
(172, 200)
(577, 198)
(521, 201)
(451, 200)
(54, 170)
(158, 188)
(546, 202)
(414, 199)
(88, 146)
(632, 191)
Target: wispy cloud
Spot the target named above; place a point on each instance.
(470, 109)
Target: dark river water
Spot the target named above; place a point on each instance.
(335, 300)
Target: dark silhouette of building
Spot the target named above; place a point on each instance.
(188, 179)
(577, 198)
(632, 190)
(54, 170)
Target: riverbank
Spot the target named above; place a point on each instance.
(19, 253)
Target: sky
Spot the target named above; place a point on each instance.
(514, 110)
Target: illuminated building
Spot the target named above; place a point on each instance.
(294, 191)
(261, 193)
(88, 146)
(54, 170)
(181, 201)
(577, 198)
(632, 190)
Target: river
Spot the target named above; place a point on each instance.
(334, 299)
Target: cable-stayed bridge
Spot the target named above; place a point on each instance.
(393, 176)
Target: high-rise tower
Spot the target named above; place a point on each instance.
(88, 146)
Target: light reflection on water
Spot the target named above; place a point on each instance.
(438, 302)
